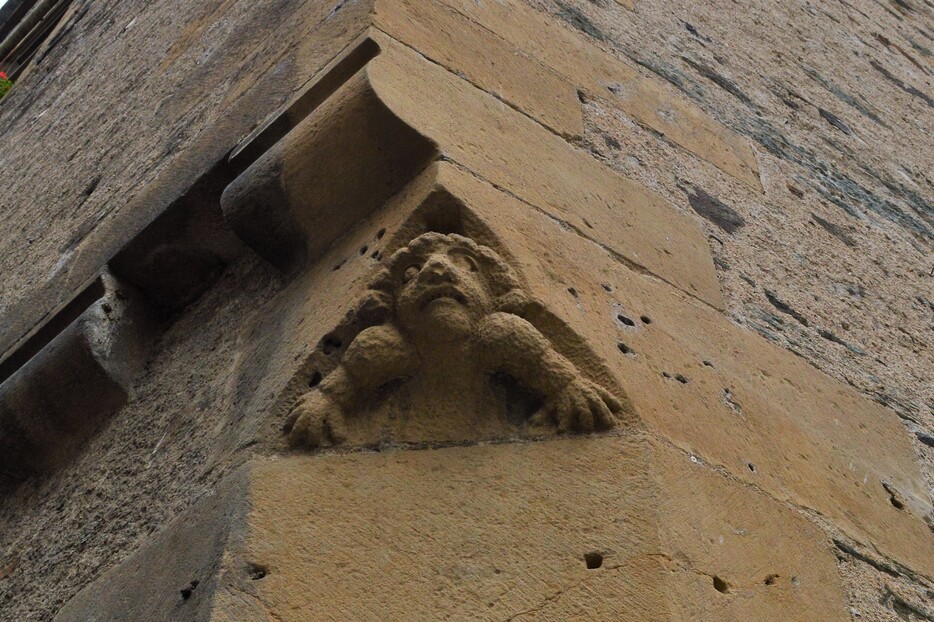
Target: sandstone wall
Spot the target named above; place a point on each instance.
(731, 206)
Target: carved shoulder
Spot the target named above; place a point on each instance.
(506, 332)
(511, 344)
(379, 352)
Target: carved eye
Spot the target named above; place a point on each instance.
(410, 273)
(463, 260)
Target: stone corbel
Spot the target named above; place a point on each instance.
(332, 167)
(68, 376)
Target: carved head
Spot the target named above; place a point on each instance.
(442, 285)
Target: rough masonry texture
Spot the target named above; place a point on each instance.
(469, 309)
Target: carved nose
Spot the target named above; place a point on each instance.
(437, 271)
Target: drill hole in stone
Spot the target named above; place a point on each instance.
(331, 344)
(894, 497)
(572, 291)
(646, 319)
(625, 320)
(257, 572)
(720, 585)
(315, 380)
(751, 467)
(381, 233)
(593, 559)
(770, 580)
(189, 589)
(364, 249)
(606, 288)
(682, 379)
(624, 348)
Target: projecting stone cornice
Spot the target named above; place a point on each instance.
(399, 112)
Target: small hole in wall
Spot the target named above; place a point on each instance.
(189, 589)
(337, 267)
(720, 585)
(331, 343)
(770, 580)
(315, 380)
(606, 288)
(257, 572)
(377, 255)
(666, 375)
(708, 364)
(364, 249)
(381, 233)
(625, 320)
(624, 348)
(682, 379)
(646, 319)
(593, 559)
(572, 291)
(751, 467)
(894, 497)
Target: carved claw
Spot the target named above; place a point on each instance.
(318, 421)
(580, 406)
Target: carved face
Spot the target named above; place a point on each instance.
(443, 294)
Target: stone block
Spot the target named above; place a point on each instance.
(648, 101)
(337, 165)
(483, 58)
(177, 574)
(597, 528)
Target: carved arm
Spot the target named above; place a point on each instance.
(510, 344)
(377, 356)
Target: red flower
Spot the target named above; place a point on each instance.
(3, 75)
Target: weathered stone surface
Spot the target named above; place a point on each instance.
(648, 101)
(81, 375)
(504, 531)
(759, 443)
(280, 194)
(470, 50)
(128, 149)
(191, 420)
(177, 575)
(717, 390)
(753, 409)
(288, 211)
(497, 145)
(763, 561)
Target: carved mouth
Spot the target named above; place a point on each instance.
(443, 293)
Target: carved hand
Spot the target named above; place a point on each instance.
(581, 406)
(319, 420)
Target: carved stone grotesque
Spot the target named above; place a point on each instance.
(449, 345)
